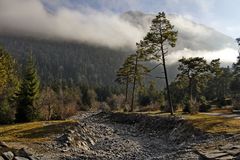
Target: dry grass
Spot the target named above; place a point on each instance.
(224, 110)
(215, 124)
(208, 123)
(34, 131)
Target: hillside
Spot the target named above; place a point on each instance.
(77, 62)
(74, 62)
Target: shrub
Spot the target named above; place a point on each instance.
(7, 115)
(116, 103)
(224, 102)
(236, 102)
(149, 108)
(191, 106)
(104, 107)
(204, 107)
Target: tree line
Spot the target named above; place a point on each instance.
(198, 84)
(24, 99)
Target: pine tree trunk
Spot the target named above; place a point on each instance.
(134, 83)
(167, 85)
(190, 89)
(126, 91)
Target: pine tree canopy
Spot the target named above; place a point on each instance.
(29, 93)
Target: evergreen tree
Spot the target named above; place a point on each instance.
(103, 93)
(194, 76)
(124, 75)
(153, 92)
(218, 87)
(8, 86)
(132, 72)
(139, 70)
(235, 84)
(161, 36)
(88, 96)
(144, 98)
(29, 93)
(194, 73)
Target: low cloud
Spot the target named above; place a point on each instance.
(105, 28)
(29, 17)
(227, 56)
(199, 37)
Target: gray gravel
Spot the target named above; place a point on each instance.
(115, 137)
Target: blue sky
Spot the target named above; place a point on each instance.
(223, 15)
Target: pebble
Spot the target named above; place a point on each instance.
(20, 158)
(3, 144)
(8, 155)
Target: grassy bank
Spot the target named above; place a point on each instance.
(215, 124)
(34, 131)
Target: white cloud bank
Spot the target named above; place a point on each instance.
(29, 17)
(227, 56)
(86, 25)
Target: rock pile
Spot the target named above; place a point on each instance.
(8, 153)
(79, 137)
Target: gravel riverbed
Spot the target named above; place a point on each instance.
(117, 136)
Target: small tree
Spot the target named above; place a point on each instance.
(139, 70)
(132, 72)
(155, 45)
(48, 102)
(29, 93)
(88, 97)
(125, 75)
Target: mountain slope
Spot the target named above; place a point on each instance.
(78, 62)
(75, 63)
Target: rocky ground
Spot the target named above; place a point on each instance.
(135, 136)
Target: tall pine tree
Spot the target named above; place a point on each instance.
(27, 110)
(157, 42)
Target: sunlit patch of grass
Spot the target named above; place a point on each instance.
(34, 131)
(223, 110)
(215, 124)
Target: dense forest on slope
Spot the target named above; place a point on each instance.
(75, 63)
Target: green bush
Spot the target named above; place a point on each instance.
(224, 102)
(204, 107)
(7, 115)
(236, 102)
